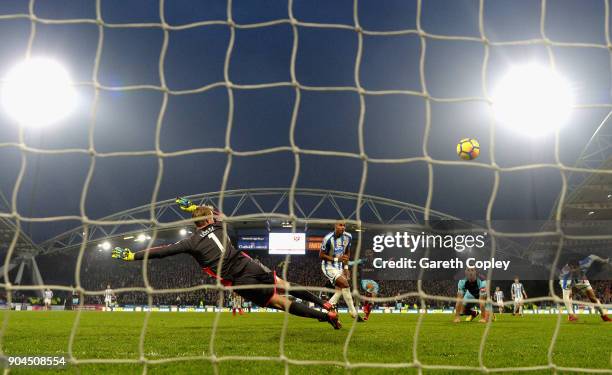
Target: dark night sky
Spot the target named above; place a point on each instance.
(394, 124)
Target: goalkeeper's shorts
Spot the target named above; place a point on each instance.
(256, 274)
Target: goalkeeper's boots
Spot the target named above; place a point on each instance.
(332, 318)
(328, 306)
(360, 319)
(572, 318)
(606, 318)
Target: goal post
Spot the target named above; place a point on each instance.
(150, 218)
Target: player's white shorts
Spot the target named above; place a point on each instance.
(580, 285)
(500, 302)
(518, 299)
(47, 301)
(107, 301)
(331, 272)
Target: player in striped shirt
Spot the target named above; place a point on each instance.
(48, 296)
(236, 304)
(499, 298)
(334, 254)
(573, 276)
(108, 297)
(518, 292)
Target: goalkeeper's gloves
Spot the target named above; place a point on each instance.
(123, 253)
(185, 204)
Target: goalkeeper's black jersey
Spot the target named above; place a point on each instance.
(206, 245)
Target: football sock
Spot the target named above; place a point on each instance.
(568, 301)
(299, 309)
(599, 308)
(307, 296)
(335, 297)
(348, 298)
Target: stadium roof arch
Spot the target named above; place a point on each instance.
(248, 208)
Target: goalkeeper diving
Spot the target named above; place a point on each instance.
(218, 258)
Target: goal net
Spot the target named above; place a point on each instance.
(301, 83)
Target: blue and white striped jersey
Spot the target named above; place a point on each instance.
(517, 290)
(566, 273)
(499, 295)
(335, 247)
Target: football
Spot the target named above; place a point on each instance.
(468, 149)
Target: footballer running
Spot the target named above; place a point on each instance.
(334, 255)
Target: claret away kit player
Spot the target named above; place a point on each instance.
(207, 247)
(471, 287)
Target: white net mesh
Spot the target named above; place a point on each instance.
(296, 26)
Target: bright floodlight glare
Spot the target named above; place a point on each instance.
(183, 232)
(38, 92)
(140, 238)
(106, 245)
(532, 99)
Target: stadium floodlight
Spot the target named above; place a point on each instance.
(183, 232)
(141, 238)
(37, 92)
(106, 245)
(532, 99)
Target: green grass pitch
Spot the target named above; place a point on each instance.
(386, 338)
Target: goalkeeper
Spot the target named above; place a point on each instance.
(222, 261)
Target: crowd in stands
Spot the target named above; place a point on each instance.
(98, 270)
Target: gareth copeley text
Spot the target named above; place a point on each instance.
(426, 263)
